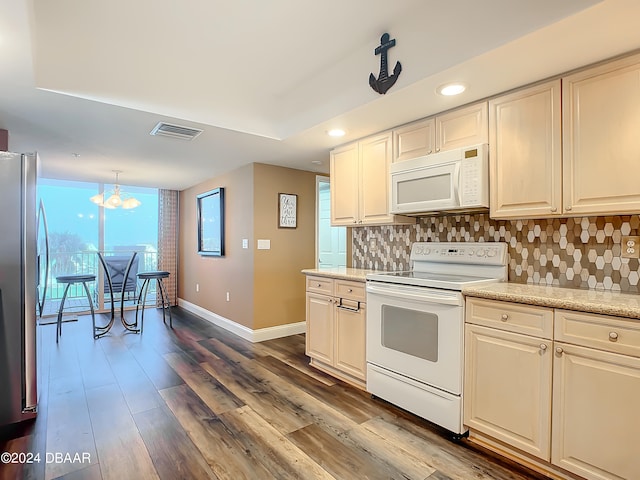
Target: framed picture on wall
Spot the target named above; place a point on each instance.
(210, 218)
(287, 210)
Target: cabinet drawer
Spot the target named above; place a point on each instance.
(350, 290)
(613, 334)
(512, 317)
(320, 285)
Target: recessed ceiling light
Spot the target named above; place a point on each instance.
(449, 89)
(316, 162)
(75, 154)
(336, 132)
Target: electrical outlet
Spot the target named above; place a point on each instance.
(630, 247)
(373, 246)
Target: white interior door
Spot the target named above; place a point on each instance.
(331, 242)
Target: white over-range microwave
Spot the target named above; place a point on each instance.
(454, 180)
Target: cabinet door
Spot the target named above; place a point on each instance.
(595, 413)
(507, 389)
(319, 340)
(414, 140)
(344, 185)
(350, 339)
(601, 109)
(375, 155)
(525, 153)
(462, 128)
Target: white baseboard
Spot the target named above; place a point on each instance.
(254, 336)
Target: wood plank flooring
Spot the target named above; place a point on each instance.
(199, 402)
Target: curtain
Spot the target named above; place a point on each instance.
(168, 241)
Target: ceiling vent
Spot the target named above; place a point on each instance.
(175, 131)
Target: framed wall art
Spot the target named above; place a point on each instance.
(287, 210)
(210, 219)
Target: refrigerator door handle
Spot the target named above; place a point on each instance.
(29, 178)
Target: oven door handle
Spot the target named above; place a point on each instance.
(425, 297)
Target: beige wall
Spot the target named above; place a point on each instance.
(232, 273)
(279, 288)
(265, 287)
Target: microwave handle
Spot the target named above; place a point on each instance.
(456, 184)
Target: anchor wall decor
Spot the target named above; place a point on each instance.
(384, 81)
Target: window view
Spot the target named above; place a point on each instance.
(78, 229)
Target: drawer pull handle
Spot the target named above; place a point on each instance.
(613, 336)
(559, 350)
(543, 346)
(319, 285)
(350, 290)
(504, 317)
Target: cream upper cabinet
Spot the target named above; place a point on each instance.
(525, 153)
(462, 127)
(414, 140)
(344, 169)
(508, 375)
(601, 145)
(458, 128)
(360, 184)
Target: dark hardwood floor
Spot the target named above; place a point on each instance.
(199, 402)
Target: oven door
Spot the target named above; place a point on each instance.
(416, 332)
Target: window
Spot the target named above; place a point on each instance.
(78, 229)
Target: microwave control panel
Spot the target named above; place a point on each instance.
(474, 178)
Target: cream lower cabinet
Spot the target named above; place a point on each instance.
(596, 392)
(508, 392)
(508, 375)
(336, 328)
(567, 407)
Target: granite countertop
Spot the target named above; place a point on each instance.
(592, 301)
(344, 273)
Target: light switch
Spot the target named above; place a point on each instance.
(264, 244)
(245, 243)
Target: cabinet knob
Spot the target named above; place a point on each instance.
(543, 346)
(568, 208)
(350, 290)
(559, 350)
(319, 285)
(554, 209)
(613, 336)
(504, 317)
(437, 149)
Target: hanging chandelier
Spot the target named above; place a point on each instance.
(116, 198)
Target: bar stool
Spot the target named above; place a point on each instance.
(146, 277)
(72, 280)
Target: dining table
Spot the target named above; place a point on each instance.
(129, 326)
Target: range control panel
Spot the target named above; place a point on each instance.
(490, 253)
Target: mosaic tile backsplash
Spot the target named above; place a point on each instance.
(582, 252)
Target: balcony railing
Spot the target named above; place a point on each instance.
(65, 263)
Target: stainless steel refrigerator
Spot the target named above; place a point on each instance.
(18, 279)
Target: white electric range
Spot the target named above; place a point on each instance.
(415, 327)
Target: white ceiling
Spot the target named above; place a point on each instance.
(264, 79)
